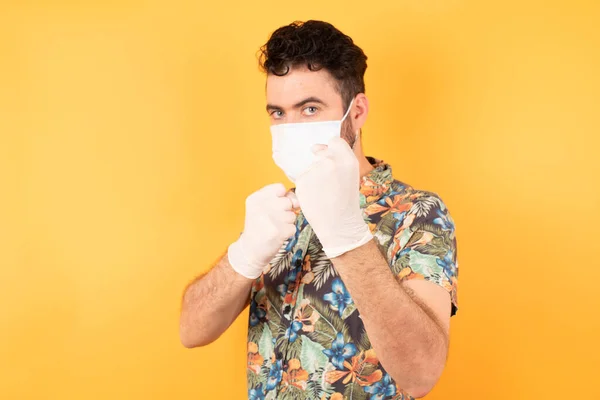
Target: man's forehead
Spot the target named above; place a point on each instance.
(299, 84)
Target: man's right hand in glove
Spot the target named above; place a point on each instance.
(268, 224)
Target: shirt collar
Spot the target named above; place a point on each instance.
(376, 183)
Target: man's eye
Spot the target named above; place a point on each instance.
(277, 114)
(310, 110)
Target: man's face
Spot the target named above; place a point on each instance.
(303, 95)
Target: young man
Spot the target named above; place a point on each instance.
(351, 277)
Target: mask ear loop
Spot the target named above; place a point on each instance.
(355, 139)
(347, 111)
(342, 121)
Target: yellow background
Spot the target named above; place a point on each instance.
(131, 132)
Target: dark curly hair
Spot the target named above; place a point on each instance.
(316, 44)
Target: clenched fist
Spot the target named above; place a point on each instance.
(330, 198)
(268, 224)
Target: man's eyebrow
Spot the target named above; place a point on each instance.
(312, 99)
(273, 107)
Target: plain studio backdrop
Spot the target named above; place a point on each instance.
(132, 131)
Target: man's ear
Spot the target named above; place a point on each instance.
(359, 112)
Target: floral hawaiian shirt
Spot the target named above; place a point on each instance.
(306, 339)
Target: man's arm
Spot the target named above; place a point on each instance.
(211, 303)
(416, 311)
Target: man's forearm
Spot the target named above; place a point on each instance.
(211, 303)
(409, 342)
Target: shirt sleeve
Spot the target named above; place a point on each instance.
(425, 245)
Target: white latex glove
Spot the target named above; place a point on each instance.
(329, 196)
(268, 224)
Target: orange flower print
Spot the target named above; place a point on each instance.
(353, 372)
(404, 272)
(388, 205)
(416, 195)
(371, 190)
(408, 274)
(255, 360)
(307, 275)
(335, 396)
(295, 376)
(306, 315)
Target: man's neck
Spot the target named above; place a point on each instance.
(364, 166)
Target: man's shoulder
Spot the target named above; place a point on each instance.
(420, 206)
(415, 195)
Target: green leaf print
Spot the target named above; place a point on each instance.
(436, 247)
(314, 390)
(348, 310)
(383, 240)
(304, 239)
(291, 393)
(404, 237)
(265, 344)
(311, 355)
(275, 302)
(368, 369)
(281, 262)
(255, 332)
(423, 264)
(328, 325)
(290, 349)
(448, 239)
(321, 266)
(253, 379)
(414, 238)
(355, 392)
(381, 178)
(387, 225)
(323, 270)
(423, 205)
(401, 263)
(300, 295)
(271, 395)
(427, 227)
(364, 343)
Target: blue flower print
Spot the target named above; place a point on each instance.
(296, 261)
(444, 220)
(289, 278)
(447, 264)
(256, 313)
(339, 298)
(292, 332)
(293, 240)
(382, 389)
(399, 220)
(275, 375)
(339, 351)
(256, 394)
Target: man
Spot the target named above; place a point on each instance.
(351, 277)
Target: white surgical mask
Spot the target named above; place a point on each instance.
(292, 143)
